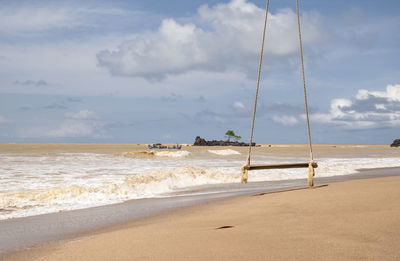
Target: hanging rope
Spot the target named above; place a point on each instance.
(244, 171)
(311, 171)
(311, 164)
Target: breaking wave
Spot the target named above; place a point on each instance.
(32, 184)
(154, 153)
(224, 152)
(148, 184)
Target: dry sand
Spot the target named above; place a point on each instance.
(353, 220)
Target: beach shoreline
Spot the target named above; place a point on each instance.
(174, 209)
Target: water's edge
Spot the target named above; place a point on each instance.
(20, 233)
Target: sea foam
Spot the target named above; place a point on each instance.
(143, 185)
(154, 153)
(224, 152)
(32, 184)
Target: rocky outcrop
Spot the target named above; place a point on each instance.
(202, 142)
(396, 143)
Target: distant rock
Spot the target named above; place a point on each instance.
(202, 142)
(396, 143)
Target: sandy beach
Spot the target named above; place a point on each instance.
(352, 220)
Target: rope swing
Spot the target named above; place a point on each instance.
(311, 165)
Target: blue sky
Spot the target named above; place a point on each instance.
(167, 71)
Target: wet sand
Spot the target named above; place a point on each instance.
(351, 220)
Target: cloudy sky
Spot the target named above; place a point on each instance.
(167, 71)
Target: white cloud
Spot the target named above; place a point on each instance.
(81, 115)
(33, 18)
(392, 93)
(240, 109)
(36, 18)
(38, 83)
(84, 123)
(380, 106)
(238, 106)
(337, 106)
(226, 37)
(285, 120)
(2, 119)
(79, 124)
(70, 128)
(368, 110)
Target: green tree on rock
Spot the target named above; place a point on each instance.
(230, 134)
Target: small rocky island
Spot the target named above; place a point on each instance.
(202, 142)
(396, 143)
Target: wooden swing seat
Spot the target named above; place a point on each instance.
(280, 166)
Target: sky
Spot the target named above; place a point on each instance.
(168, 71)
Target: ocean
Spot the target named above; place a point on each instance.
(41, 178)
